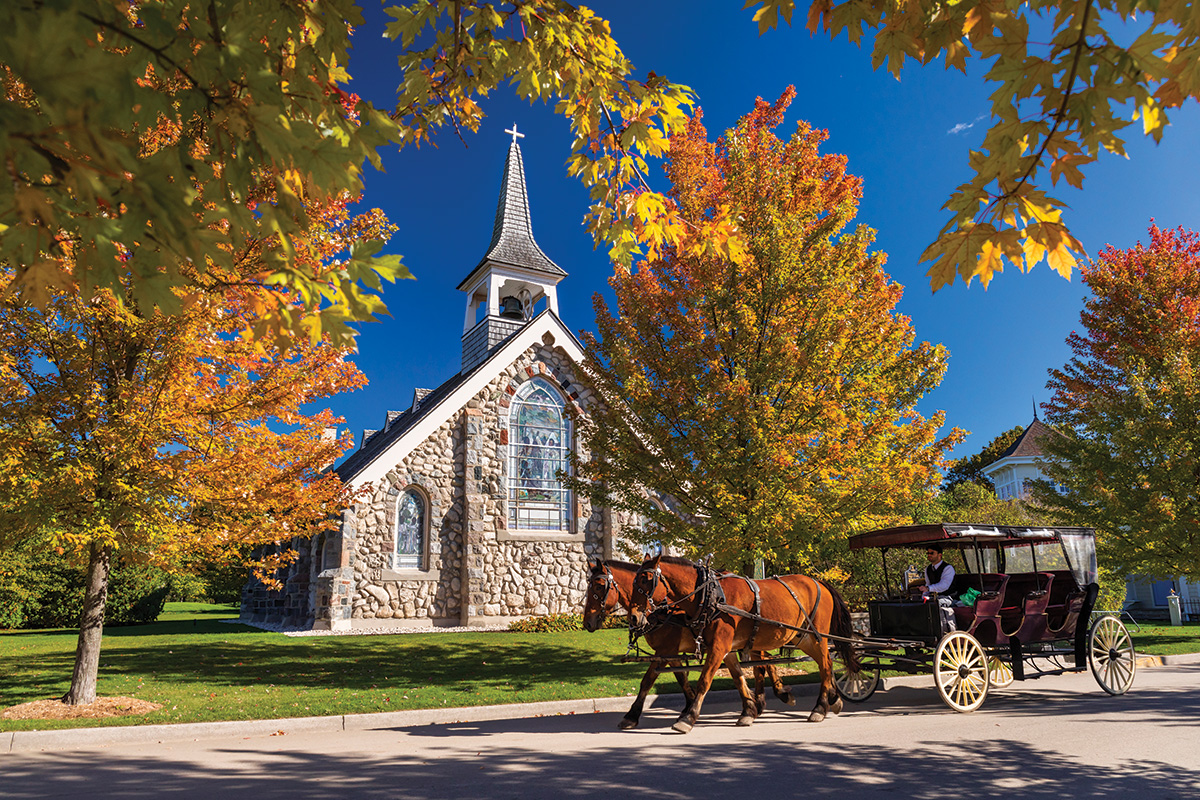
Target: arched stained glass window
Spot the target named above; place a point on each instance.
(539, 441)
(410, 531)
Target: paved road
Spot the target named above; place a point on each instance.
(1054, 738)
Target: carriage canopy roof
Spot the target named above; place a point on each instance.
(1078, 544)
(955, 534)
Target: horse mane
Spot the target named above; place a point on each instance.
(612, 562)
(677, 560)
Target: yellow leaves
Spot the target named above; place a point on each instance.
(1067, 166)
(767, 17)
(957, 252)
(1154, 119)
(1004, 243)
(978, 249)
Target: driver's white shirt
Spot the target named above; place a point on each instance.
(943, 585)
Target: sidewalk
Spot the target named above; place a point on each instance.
(83, 738)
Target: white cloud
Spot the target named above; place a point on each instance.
(965, 126)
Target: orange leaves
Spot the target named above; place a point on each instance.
(766, 384)
(174, 437)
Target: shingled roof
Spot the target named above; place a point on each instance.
(512, 233)
(375, 442)
(1029, 443)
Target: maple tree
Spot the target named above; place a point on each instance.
(259, 89)
(769, 396)
(970, 468)
(171, 439)
(254, 90)
(1128, 403)
(1069, 77)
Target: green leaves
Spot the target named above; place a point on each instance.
(138, 138)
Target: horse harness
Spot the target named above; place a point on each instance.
(710, 602)
(710, 599)
(600, 595)
(806, 626)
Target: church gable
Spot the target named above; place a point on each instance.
(483, 558)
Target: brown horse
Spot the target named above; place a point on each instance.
(610, 586)
(797, 601)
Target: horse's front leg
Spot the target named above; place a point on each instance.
(685, 686)
(760, 692)
(720, 641)
(752, 704)
(634, 714)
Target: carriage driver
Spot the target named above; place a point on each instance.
(936, 580)
(938, 575)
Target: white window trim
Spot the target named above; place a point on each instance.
(572, 533)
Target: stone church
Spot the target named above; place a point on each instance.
(466, 520)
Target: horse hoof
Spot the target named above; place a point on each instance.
(816, 716)
(682, 726)
(788, 699)
(745, 721)
(626, 724)
(836, 708)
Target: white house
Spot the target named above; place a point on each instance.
(1021, 464)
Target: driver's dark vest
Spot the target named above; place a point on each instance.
(934, 574)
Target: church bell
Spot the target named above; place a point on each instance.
(510, 308)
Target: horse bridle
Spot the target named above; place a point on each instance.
(653, 586)
(600, 595)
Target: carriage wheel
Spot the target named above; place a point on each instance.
(854, 686)
(960, 670)
(1000, 673)
(1111, 656)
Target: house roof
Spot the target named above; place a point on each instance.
(1029, 443)
(512, 232)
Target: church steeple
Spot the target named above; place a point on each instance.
(514, 275)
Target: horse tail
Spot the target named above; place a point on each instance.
(841, 627)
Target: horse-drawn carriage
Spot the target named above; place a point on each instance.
(1031, 591)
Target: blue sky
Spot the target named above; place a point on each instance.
(907, 139)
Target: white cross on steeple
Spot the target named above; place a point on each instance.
(514, 133)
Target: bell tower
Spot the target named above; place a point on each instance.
(514, 277)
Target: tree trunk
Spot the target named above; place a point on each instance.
(91, 628)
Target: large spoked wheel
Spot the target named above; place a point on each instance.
(1111, 656)
(960, 670)
(1000, 673)
(854, 686)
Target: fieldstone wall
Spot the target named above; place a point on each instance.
(473, 559)
(290, 604)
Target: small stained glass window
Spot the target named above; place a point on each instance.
(410, 531)
(539, 443)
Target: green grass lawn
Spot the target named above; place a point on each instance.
(1165, 640)
(201, 669)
